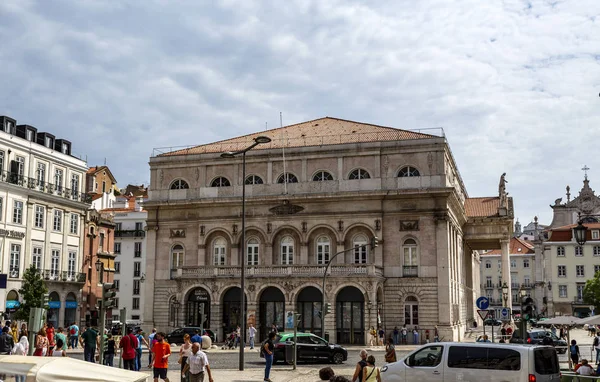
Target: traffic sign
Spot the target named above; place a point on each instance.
(483, 303)
(505, 314)
(483, 313)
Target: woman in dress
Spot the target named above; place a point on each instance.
(41, 344)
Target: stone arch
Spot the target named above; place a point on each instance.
(314, 234)
(170, 183)
(263, 243)
(211, 236)
(265, 286)
(350, 301)
(351, 232)
(278, 235)
(208, 236)
(341, 286)
(294, 292)
(414, 291)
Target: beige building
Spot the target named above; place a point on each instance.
(319, 188)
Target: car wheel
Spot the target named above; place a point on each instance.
(337, 358)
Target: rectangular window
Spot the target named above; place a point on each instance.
(595, 234)
(525, 263)
(118, 226)
(74, 229)
(57, 224)
(596, 250)
(117, 284)
(499, 264)
(323, 252)
(137, 269)
(579, 271)
(72, 266)
(101, 242)
(562, 271)
(117, 247)
(560, 251)
(20, 166)
(219, 254)
(36, 257)
(488, 265)
(578, 251)
(360, 253)
(18, 212)
(58, 180)
(489, 358)
(116, 304)
(136, 287)
(40, 214)
(15, 260)
(580, 288)
(1, 209)
(513, 263)
(137, 251)
(40, 176)
(135, 303)
(252, 252)
(117, 267)
(287, 253)
(411, 314)
(1, 161)
(139, 226)
(596, 269)
(54, 264)
(562, 291)
(488, 282)
(526, 281)
(74, 185)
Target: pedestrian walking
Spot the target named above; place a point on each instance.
(6, 341)
(197, 337)
(274, 328)
(381, 333)
(60, 335)
(373, 336)
(160, 357)
(197, 365)
(129, 344)
(390, 351)
(89, 342)
(404, 333)
(21, 347)
(51, 340)
(109, 352)
(268, 348)
(59, 351)
(151, 344)
(238, 334)
(360, 365)
(396, 335)
(371, 372)
(436, 334)
(596, 346)
(138, 351)
(74, 335)
(415, 336)
(14, 331)
(184, 352)
(251, 334)
(574, 352)
(41, 343)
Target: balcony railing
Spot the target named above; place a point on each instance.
(64, 276)
(410, 271)
(488, 285)
(130, 233)
(515, 285)
(355, 270)
(137, 254)
(528, 285)
(47, 188)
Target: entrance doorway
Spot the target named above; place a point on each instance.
(70, 310)
(198, 308)
(309, 305)
(54, 309)
(350, 322)
(232, 314)
(272, 311)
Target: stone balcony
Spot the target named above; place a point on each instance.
(65, 276)
(355, 270)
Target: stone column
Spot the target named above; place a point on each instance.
(442, 241)
(504, 246)
(150, 278)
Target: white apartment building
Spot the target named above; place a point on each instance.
(42, 210)
(522, 274)
(130, 251)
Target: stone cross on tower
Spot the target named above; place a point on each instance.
(585, 170)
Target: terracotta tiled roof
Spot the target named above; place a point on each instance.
(318, 132)
(482, 207)
(565, 233)
(516, 247)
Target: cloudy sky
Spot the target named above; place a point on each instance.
(513, 83)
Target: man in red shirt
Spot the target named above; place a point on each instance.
(50, 335)
(129, 344)
(160, 357)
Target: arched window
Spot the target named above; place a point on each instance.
(321, 176)
(252, 251)
(220, 182)
(177, 253)
(254, 179)
(410, 267)
(360, 249)
(411, 311)
(287, 178)
(488, 264)
(359, 173)
(323, 249)
(219, 247)
(408, 171)
(179, 184)
(287, 250)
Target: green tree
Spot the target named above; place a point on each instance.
(591, 292)
(32, 291)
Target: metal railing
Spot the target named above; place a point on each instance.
(410, 271)
(130, 233)
(45, 187)
(194, 272)
(64, 276)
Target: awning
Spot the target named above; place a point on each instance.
(12, 304)
(71, 304)
(54, 304)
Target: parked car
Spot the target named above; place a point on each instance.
(176, 336)
(454, 361)
(311, 348)
(492, 322)
(536, 336)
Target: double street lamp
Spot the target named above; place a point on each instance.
(232, 154)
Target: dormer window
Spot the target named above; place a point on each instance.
(9, 126)
(48, 142)
(595, 234)
(29, 135)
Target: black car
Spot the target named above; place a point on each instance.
(536, 337)
(492, 322)
(310, 348)
(176, 336)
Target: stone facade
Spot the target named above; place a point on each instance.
(407, 192)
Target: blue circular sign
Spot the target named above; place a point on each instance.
(482, 303)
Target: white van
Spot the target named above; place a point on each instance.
(455, 361)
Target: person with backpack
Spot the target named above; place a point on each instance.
(360, 365)
(268, 348)
(73, 335)
(574, 352)
(129, 344)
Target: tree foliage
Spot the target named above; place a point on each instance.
(32, 291)
(591, 292)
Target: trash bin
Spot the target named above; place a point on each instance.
(327, 336)
(289, 352)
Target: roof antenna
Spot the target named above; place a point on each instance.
(266, 124)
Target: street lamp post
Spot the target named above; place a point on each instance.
(257, 141)
(522, 293)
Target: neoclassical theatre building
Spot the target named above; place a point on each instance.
(318, 188)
